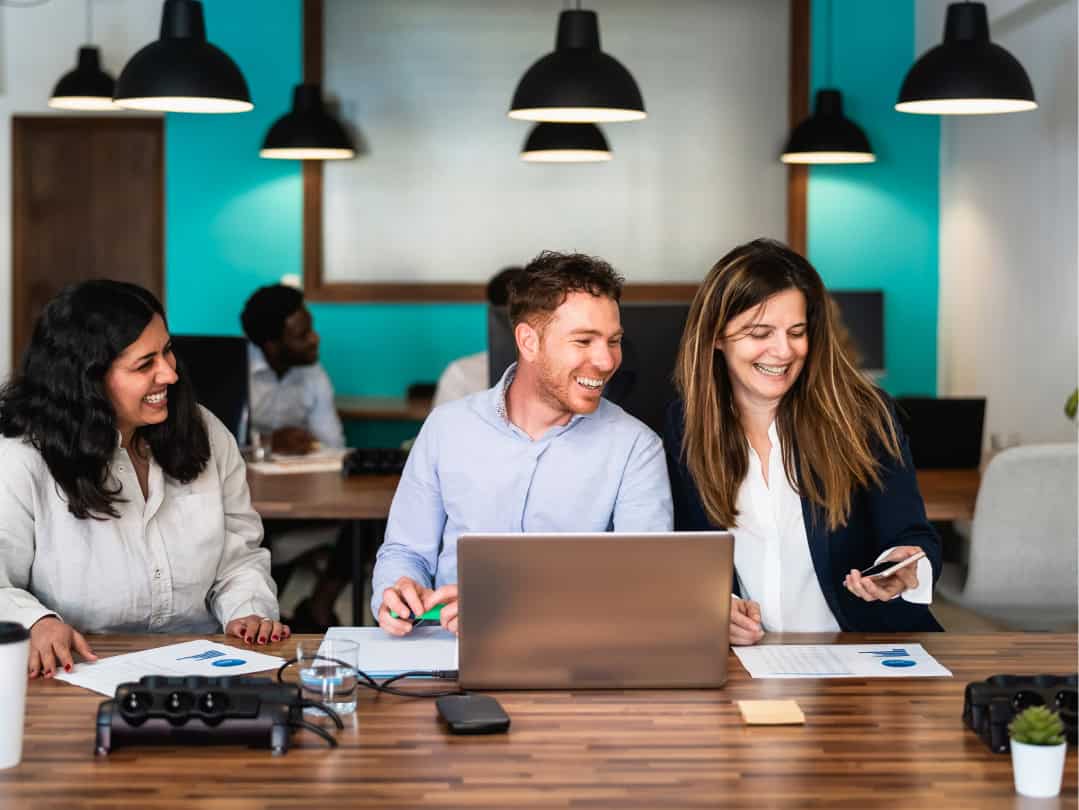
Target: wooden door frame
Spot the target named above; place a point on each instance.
(23, 126)
(318, 289)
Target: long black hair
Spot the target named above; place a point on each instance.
(57, 399)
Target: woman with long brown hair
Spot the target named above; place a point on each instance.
(781, 440)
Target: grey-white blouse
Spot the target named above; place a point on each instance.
(186, 559)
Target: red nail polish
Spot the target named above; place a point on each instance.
(67, 667)
(262, 639)
(275, 638)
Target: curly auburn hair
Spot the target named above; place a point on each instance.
(57, 400)
(541, 287)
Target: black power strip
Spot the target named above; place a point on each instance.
(197, 710)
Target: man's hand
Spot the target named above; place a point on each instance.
(746, 627)
(51, 643)
(292, 441)
(447, 597)
(405, 598)
(884, 589)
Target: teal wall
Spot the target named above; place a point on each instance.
(877, 225)
(234, 223)
(234, 220)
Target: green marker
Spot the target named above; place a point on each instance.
(432, 615)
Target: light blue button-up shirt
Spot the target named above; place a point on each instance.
(472, 470)
(302, 397)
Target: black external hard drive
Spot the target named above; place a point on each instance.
(473, 714)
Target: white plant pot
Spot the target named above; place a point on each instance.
(1038, 769)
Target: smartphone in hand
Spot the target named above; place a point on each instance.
(886, 568)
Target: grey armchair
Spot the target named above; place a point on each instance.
(1022, 568)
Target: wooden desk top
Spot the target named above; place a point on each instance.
(322, 496)
(389, 408)
(949, 494)
(866, 743)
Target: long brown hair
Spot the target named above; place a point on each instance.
(832, 420)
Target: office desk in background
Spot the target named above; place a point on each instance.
(866, 743)
(413, 409)
(362, 500)
(949, 494)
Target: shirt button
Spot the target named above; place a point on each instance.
(122, 468)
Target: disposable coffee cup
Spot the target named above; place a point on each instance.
(14, 656)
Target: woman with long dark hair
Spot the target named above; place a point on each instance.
(123, 504)
(781, 440)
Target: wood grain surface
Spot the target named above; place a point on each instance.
(322, 495)
(949, 494)
(866, 743)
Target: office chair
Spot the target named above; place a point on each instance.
(1022, 568)
(217, 368)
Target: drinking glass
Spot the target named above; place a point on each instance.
(328, 673)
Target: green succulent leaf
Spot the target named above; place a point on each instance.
(1072, 404)
(1037, 725)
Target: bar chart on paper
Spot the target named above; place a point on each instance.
(840, 661)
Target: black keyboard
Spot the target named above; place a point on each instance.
(374, 461)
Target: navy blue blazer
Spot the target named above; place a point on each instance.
(881, 517)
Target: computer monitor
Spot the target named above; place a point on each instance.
(862, 312)
(944, 432)
(217, 368)
(644, 384)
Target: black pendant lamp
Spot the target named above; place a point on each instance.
(828, 136)
(565, 143)
(577, 82)
(966, 74)
(307, 131)
(87, 87)
(181, 71)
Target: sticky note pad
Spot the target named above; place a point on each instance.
(771, 712)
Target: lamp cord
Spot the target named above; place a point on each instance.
(828, 42)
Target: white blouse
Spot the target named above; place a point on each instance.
(186, 559)
(771, 552)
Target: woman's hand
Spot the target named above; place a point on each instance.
(257, 630)
(746, 627)
(51, 643)
(884, 589)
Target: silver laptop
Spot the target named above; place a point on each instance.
(582, 611)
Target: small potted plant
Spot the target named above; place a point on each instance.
(1038, 749)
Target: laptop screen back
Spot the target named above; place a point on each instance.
(571, 611)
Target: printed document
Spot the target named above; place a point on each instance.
(207, 658)
(840, 661)
(425, 649)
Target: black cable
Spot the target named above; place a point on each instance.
(303, 724)
(365, 680)
(439, 674)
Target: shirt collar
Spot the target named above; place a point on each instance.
(256, 359)
(496, 396)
